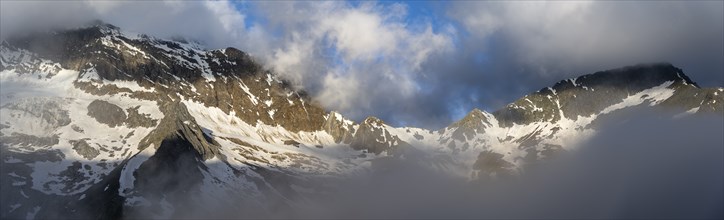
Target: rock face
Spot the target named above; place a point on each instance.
(106, 113)
(136, 119)
(228, 79)
(85, 150)
(591, 94)
(28, 140)
(473, 123)
(48, 112)
(491, 163)
(339, 127)
(110, 124)
(180, 125)
(171, 173)
(373, 137)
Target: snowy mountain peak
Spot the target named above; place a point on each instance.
(636, 77)
(373, 121)
(474, 118)
(591, 94)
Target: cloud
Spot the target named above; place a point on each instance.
(534, 44)
(215, 23)
(640, 169)
(483, 54)
(358, 59)
(645, 168)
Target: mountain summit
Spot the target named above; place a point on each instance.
(98, 122)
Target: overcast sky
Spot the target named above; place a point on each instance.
(420, 63)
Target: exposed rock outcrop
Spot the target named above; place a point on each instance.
(474, 122)
(106, 113)
(179, 124)
(339, 127)
(81, 147)
(373, 136)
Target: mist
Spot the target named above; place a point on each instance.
(647, 167)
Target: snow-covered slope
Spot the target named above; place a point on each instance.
(114, 124)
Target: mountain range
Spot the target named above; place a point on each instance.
(97, 122)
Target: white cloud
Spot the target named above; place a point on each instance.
(231, 19)
(356, 59)
(361, 34)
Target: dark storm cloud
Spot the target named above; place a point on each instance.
(421, 69)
